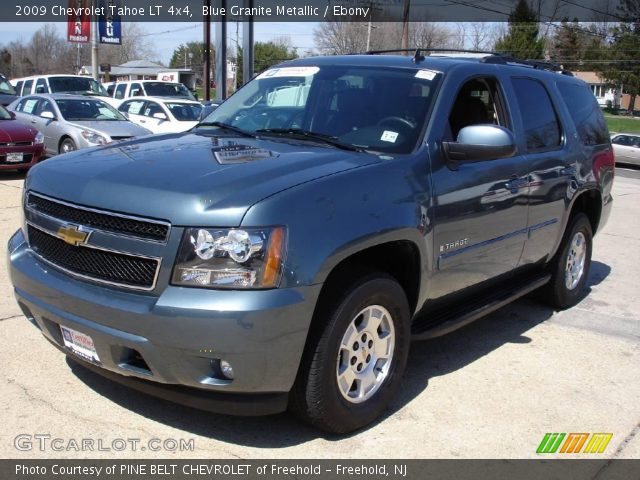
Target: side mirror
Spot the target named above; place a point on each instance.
(48, 115)
(477, 143)
(12, 115)
(160, 116)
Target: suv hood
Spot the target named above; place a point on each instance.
(187, 179)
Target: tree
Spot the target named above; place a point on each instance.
(622, 67)
(521, 40)
(341, 38)
(266, 54)
(567, 43)
(190, 53)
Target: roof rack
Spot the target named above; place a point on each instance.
(503, 59)
(418, 56)
(496, 58)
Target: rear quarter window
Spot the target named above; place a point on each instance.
(539, 118)
(585, 112)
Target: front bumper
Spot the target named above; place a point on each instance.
(177, 334)
(34, 151)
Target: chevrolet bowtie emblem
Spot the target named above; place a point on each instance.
(72, 235)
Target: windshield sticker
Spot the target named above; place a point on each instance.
(28, 106)
(389, 136)
(135, 107)
(289, 72)
(426, 74)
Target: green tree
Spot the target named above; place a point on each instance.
(567, 43)
(190, 53)
(265, 55)
(620, 66)
(521, 40)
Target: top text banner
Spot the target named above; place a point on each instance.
(315, 10)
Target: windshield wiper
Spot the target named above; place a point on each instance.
(321, 137)
(225, 126)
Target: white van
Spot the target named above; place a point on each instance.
(147, 88)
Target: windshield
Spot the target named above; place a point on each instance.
(164, 89)
(76, 84)
(185, 112)
(380, 109)
(6, 87)
(4, 114)
(88, 110)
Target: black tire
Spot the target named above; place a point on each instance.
(556, 293)
(316, 397)
(67, 145)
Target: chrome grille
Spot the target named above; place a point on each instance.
(124, 225)
(95, 264)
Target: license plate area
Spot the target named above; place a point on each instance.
(80, 344)
(15, 157)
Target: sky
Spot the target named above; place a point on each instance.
(167, 36)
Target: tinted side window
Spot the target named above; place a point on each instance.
(585, 112)
(19, 87)
(41, 86)
(136, 90)
(120, 90)
(541, 126)
(27, 87)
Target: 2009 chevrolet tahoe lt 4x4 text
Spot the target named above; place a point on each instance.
(284, 252)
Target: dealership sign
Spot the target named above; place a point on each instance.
(109, 22)
(79, 21)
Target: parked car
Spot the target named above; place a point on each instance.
(21, 146)
(627, 148)
(7, 92)
(72, 122)
(208, 107)
(147, 88)
(162, 115)
(285, 255)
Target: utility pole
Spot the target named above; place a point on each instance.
(221, 54)
(94, 46)
(207, 50)
(405, 25)
(247, 47)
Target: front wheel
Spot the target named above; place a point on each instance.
(353, 368)
(67, 146)
(570, 268)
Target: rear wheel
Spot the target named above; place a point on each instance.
(67, 145)
(353, 367)
(570, 268)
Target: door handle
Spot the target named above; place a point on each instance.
(514, 184)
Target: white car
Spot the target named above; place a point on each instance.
(147, 88)
(162, 115)
(626, 147)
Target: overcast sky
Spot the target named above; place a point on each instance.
(167, 36)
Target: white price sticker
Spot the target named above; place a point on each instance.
(389, 136)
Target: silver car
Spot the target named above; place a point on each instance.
(626, 147)
(72, 122)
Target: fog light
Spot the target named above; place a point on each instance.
(226, 369)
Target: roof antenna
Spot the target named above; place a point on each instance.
(418, 57)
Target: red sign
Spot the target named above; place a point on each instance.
(79, 21)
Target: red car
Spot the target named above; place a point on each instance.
(21, 146)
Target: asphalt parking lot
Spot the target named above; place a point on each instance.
(491, 390)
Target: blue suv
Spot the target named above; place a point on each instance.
(285, 252)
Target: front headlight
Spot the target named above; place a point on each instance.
(230, 258)
(39, 138)
(93, 137)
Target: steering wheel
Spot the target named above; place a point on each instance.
(398, 121)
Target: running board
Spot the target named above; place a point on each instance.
(436, 324)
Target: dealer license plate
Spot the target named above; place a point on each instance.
(14, 157)
(80, 344)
